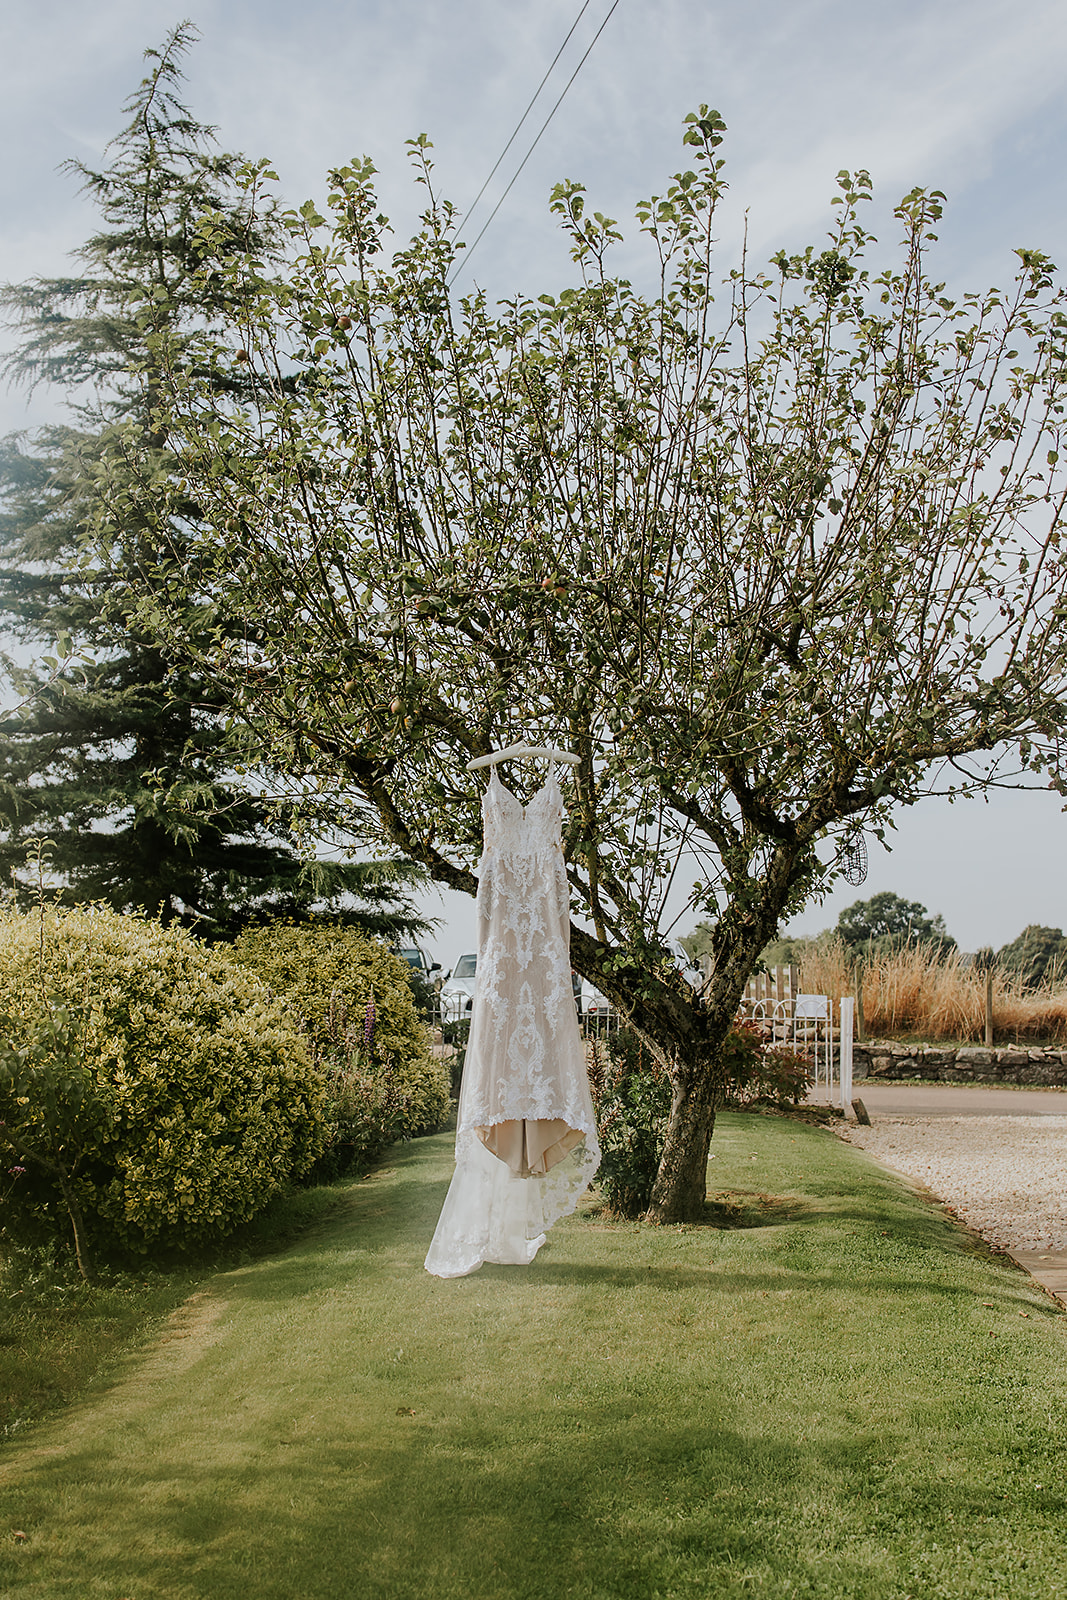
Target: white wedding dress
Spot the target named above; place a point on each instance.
(526, 1143)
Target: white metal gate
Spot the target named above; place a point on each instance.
(805, 1023)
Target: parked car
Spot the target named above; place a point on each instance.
(594, 1006)
(457, 991)
(418, 962)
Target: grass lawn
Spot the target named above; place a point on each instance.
(57, 1334)
(836, 1395)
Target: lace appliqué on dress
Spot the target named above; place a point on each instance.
(526, 1142)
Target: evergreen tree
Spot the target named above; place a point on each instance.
(123, 761)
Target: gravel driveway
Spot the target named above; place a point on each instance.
(1006, 1176)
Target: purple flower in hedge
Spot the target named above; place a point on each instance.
(369, 1022)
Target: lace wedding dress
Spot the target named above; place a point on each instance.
(526, 1144)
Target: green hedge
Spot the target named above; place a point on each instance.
(146, 1080)
(354, 999)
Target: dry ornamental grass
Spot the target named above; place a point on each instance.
(919, 991)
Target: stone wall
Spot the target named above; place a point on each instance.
(969, 1064)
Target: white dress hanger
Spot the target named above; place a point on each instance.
(524, 752)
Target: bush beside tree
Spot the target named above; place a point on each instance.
(632, 1099)
(152, 1094)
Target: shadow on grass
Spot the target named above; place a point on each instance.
(607, 1500)
(791, 1233)
(677, 1280)
(270, 1286)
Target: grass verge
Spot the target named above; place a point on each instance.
(833, 1393)
(58, 1334)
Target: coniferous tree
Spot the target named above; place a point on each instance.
(123, 761)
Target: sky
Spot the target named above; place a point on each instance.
(965, 96)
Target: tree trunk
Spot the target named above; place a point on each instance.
(81, 1248)
(680, 1190)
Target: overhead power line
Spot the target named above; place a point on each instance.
(529, 108)
(457, 269)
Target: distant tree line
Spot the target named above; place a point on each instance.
(1038, 956)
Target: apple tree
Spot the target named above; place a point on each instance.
(766, 547)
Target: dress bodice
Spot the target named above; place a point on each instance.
(510, 828)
